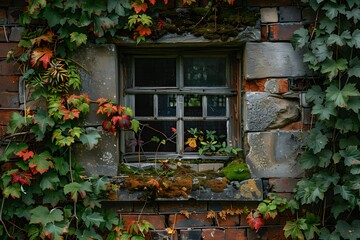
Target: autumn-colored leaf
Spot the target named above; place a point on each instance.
(22, 177)
(48, 37)
(143, 30)
(152, 2)
(109, 127)
(153, 183)
(139, 6)
(74, 113)
(41, 55)
(255, 220)
(101, 101)
(107, 108)
(25, 154)
(185, 213)
(166, 2)
(211, 214)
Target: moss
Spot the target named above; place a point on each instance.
(217, 185)
(236, 170)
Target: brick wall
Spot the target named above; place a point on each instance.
(271, 68)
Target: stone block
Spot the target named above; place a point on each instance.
(275, 154)
(306, 116)
(283, 31)
(176, 206)
(103, 159)
(274, 85)
(99, 75)
(290, 14)
(9, 84)
(263, 111)
(194, 220)
(269, 15)
(250, 190)
(213, 233)
(235, 234)
(10, 68)
(265, 59)
(3, 18)
(282, 184)
(9, 100)
(190, 234)
(15, 35)
(210, 167)
(4, 34)
(230, 220)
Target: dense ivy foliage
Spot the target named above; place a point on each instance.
(332, 157)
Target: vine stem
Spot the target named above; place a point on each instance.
(72, 180)
(1, 220)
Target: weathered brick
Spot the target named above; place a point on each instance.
(254, 85)
(210, 166)
(150, 207)
(9, 100)
(8, 68)
(283, 31)
(267, 3)
(300, 84)
(163, 235)
(306, 116)
(176, 206)
(15, 35)
(267, 233)
(283, 184)
(14, 14)
(190, 234)
(274, 85)
(158, 221)
(218, 206)
(118, 206)
(9, 83)
(3, 19)
(5, 116)
(308, 15)
(235, 234)
(194, 220)
(290, 14)
(216, 234)
(299, 125)
(264, 33)
(4, 34)
(5, 48)
(229, 221)
(269, 15)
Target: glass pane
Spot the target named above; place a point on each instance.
(155, 72)
(205, 72)
(218, 126)
(167, 105)
(148, 135)
(216, 106)
(193, 105)
(144, 105)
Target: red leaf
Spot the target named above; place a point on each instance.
(139, 6)
(25, 154)
(152, 2)
(173, 130)
(46, 37)
(75, 113)
(41, 55)
(143, 31)
(255, 222)
(22, 177)
(153, 183)
(166, 1)
(108, 126)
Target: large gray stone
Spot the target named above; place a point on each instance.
(263, 60)
(264, 111)
(103, 159)
(99, 75)
(274, 154)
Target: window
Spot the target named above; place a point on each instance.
(179, 91)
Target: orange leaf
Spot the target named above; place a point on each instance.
(255, 222)
(46, 37)
(25, 154)
(22, 177)
(139, 6)
(143, 31)
(41, 55)
(166, 1)
(152, 2)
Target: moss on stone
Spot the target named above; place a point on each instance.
(236, 171)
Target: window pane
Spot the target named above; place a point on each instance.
(193, 105)
(167, 105)
(207, 72)
(216, 106)
(144, 105)
(147, 134)
(218, 126)
(155, 72)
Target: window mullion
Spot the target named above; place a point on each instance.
(204, 106)
(156, 107)
(180, 123)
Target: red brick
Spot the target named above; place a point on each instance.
(5, 48)
(283, 85)
(231, 220)
(264, 33)
(9, 83)
(216, 234)
(150, 207)
(296, 126)
(9, 68)
(9, 100)
(235, 234)
(194, 220)
(158, 221)
(191, 234)
(268, 233)
(163, 234)
(283, 184)
(5, 116)
(190, 205)
(283, 31)
(4, 34)
(254, 85)
(267, 3)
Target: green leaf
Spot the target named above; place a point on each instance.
(294, 229)
(76, 188)
(346, 125)
(354, 104)
(41, 162)
(92, 218)
(312, 221)
(90, 138)
(61, 165)
(94, 7)
(340, 97)
(351, 156)
(324, 112)
(78, 38)
(332, 67)
(315, 94)
(101, 23)
(53, 197)
(13, 148)
(16, 121)
(320, 50)
(328, 25)
(100, 185)
(135, 125)
(13, 190)
(346, 141)
(344, 191)
(43, 120)
(52, 16)
(117, 5)
(354, 13)
(354, 67)
(333, 38)
(43, 216)
(308, 160)
(348, 231)
(317, 141)
(333, 9)
(300, 38)
(36, 5)
(49, 181)
(325, 234)
(56, 230)
(355, 40)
